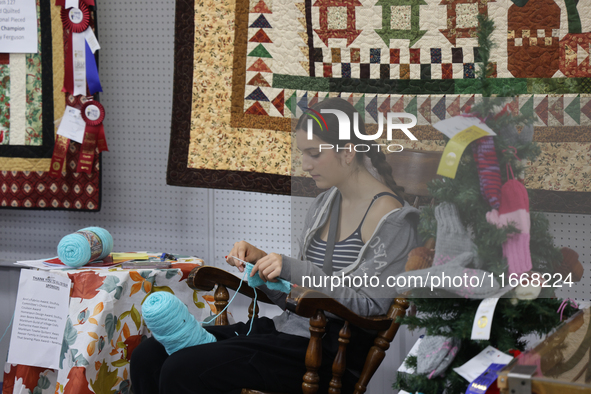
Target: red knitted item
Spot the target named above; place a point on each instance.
(488, 170)
(514, 210)
(514, 197)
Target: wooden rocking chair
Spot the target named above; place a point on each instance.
(411, 169)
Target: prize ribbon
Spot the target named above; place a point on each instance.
(81, 43)
(59, 156)
(75, 20)
(93, 114)
(92, 77)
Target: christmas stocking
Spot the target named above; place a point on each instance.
(452, 238)
(514, 210)
(488, 170)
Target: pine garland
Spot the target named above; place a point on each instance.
(510, 324)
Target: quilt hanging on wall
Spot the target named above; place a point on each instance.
(31, 105)
(245, 68)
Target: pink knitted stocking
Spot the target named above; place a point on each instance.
(514, 210)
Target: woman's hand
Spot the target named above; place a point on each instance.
(268, 267)
(244, 251)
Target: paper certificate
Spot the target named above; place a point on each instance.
(72, 125)
(39, 319)
(452, 126)
(479, 363)
(18, 26)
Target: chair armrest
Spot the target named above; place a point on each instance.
(207, 277)
(305, 302)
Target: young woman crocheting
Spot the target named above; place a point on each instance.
(375, 231)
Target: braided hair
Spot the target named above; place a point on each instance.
(330, 135)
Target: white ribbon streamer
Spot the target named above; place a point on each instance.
(91, 40)
(79, 59)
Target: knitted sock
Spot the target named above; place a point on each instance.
(488, 170)
(515, 210)
(447, 360)
(435, 354)
(452, 238)
(171, 322)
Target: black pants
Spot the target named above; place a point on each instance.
(265, 360)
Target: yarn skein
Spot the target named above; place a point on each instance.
(172, 324)
(84, 246)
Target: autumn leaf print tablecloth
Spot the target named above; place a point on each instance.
(103, 328)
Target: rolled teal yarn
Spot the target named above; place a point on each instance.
(106, 239)
(74, 249)
(172, 324)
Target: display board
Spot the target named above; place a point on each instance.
(244, 69)
(31, 106)
(141, 211)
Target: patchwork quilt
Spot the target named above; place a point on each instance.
(31, 100)
(244, 69)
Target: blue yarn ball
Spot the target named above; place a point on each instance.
(74, 249)
(172, 324)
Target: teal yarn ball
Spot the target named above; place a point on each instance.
(74, 250)
(172, 324)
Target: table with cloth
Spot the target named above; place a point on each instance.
(103, 328)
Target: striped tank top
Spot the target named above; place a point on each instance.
(345, 251)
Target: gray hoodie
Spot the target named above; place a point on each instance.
(384, 255)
